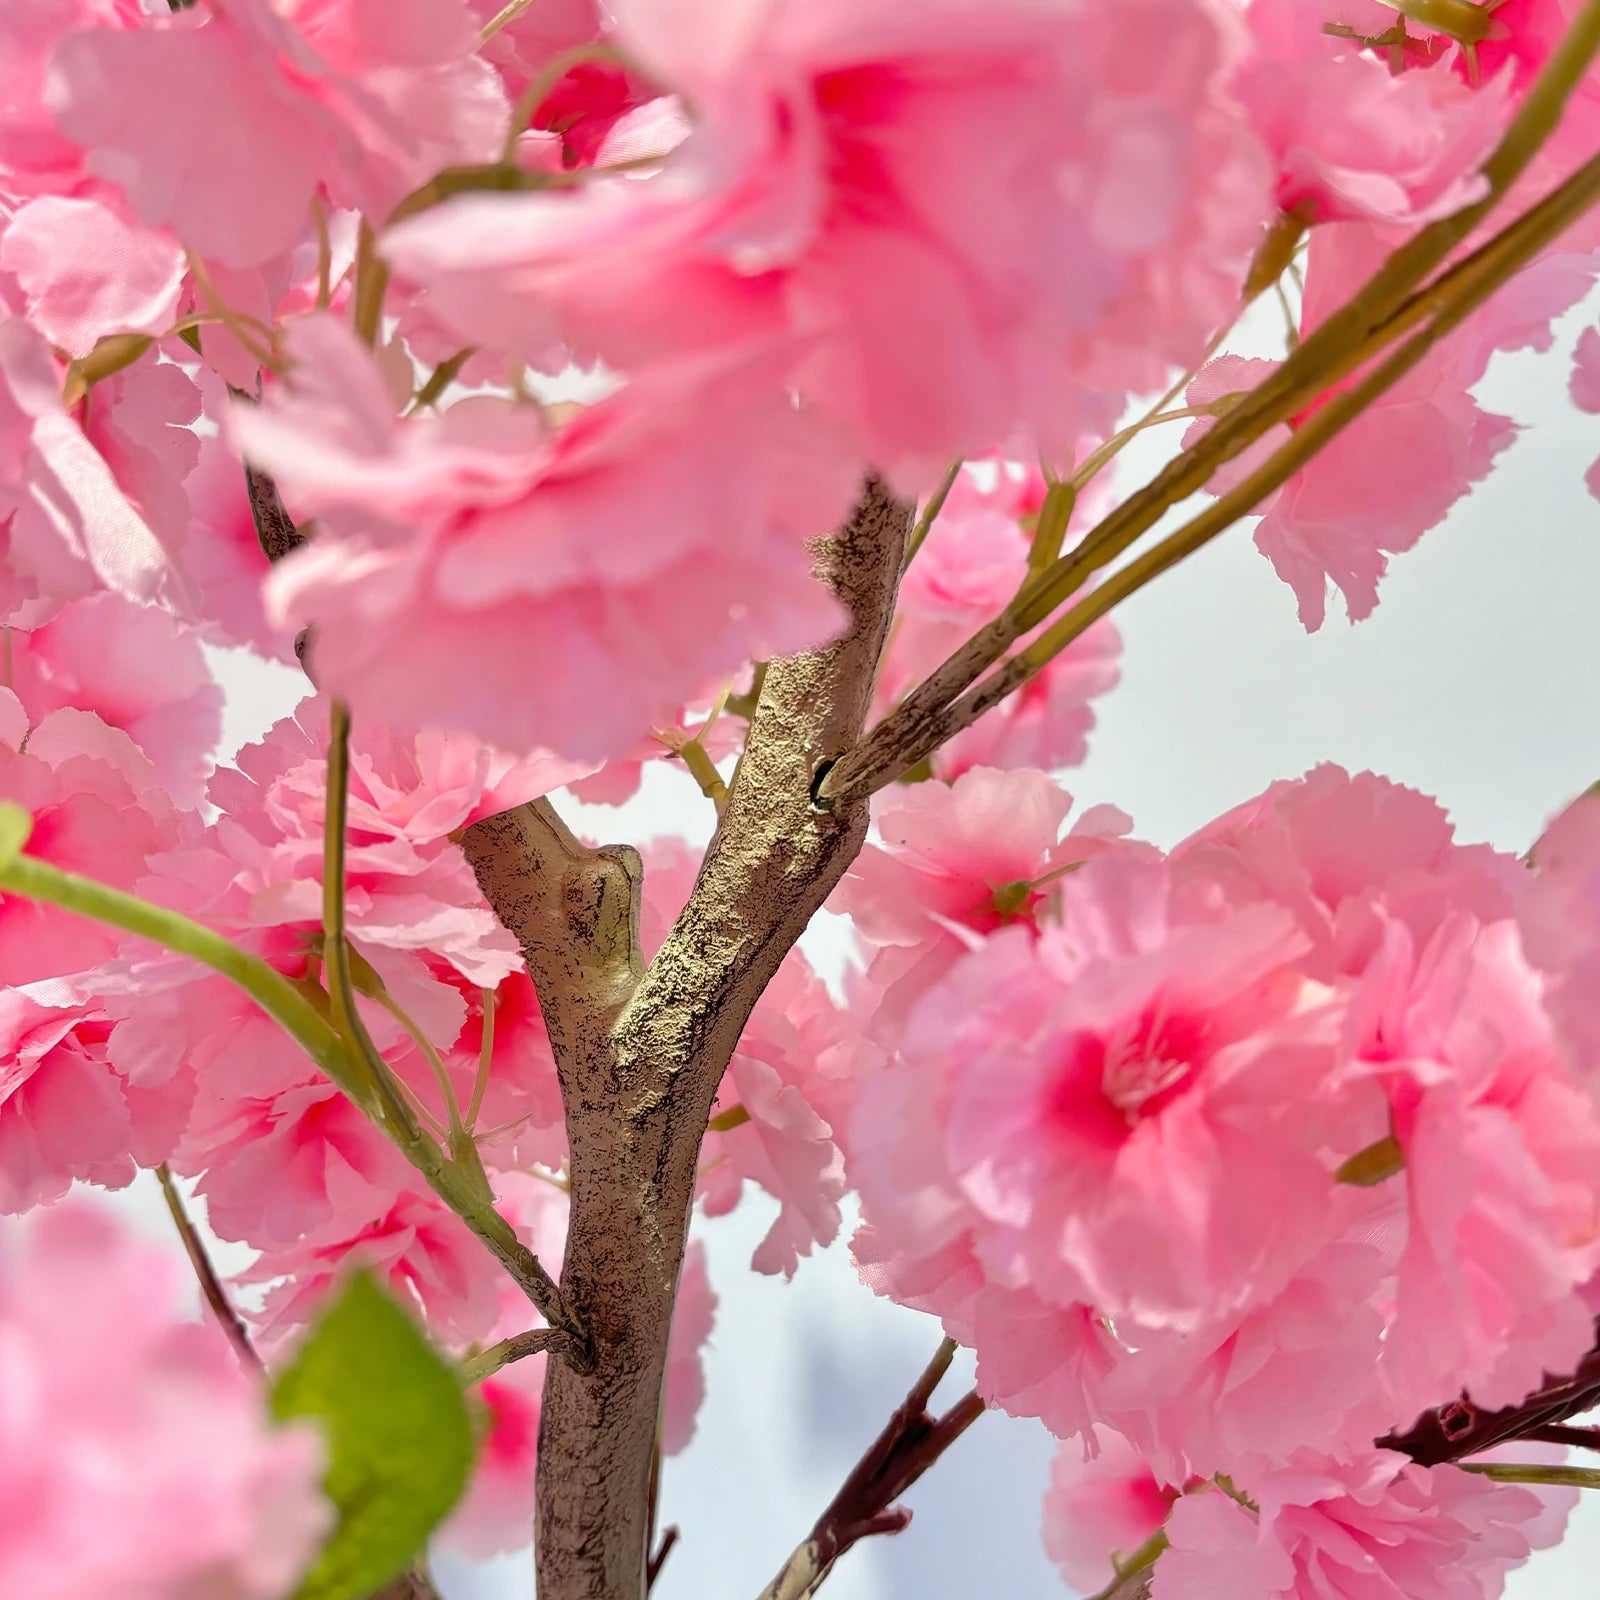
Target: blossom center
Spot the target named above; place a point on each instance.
(1145, 1066)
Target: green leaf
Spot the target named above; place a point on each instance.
(399, 1437)
(15, 826)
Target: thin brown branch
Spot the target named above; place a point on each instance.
(210, 1284)
(668, 1539)
(1584, 1438)
(911, 1441)
(1459, 1428)
(274, 527)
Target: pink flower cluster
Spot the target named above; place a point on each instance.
(1255, 1148)
(1226, 1159)
(876, 237)
(118, 1056)
(136, 1456)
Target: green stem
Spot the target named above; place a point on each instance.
(1143, 1558)
(1470, 290)
(441, 378)
(394, 1112)
(704, 772)
(372, 283)
(930, 512)
(517, 1348)
(1530, 1473)
(480, 1085)
(274, 993)
(278, 997)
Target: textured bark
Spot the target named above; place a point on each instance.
(640, 1055)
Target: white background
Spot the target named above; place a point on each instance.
(1477, 680)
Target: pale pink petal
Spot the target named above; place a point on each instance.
(84, 272)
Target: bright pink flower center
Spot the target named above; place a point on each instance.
(1147, 1062)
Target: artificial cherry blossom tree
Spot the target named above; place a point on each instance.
(1264, 1171)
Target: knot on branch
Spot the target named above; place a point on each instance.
(1459, 1429)
(600, 902)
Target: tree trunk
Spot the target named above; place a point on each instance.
(641, 1056)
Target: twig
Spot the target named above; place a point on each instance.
(274, 526)
(518, 1347)
(1559, 1433)
(1459, 1428)
(210, 1283)
(669, 1538)
(910, 1443)
(930, 513)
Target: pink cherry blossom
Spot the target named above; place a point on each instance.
(1558, 913)
(1586, 389)
(1519, 40)
(1370, 964)
(956, 862)
(693, 1317)
(655, 542)
(36, 157)
(584, 104)
(523, 46)
(1373, 1528)
(407, 886)
(1348, 855)
(369, 100)
(136, 669)
(1108, 1078)
(1394, 472)
(65, 1114)
(969, 567)
(1019, 1168)
(124, 1420)
(940, 296)
(788, 1146)
(417, 1248)
(66, 525)
(1353, 139)
(284, 1162)
(85, 272)
(496, 1514)
(1501, 1225)
(140, 420)
(1494, 1224)
(1297, 1369)
(1103, 1503)
(96, 810)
